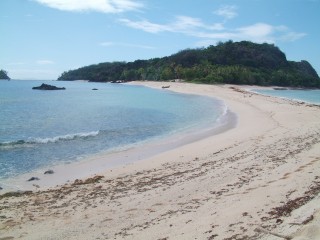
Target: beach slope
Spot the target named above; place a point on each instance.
(255, 180)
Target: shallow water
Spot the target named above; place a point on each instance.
(44, 128)
(310, 96)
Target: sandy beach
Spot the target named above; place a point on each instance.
(257, 179)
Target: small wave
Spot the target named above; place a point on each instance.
(63, 138)
(224, 108)
(67, 137)
(224, 111)
(13, 143)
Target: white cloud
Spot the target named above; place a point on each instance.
(228, 12)
(146, 26)
(182, 24)
(257, 32)
(292, 36)
(44, 62)
(105, 6)
(186, 23)
(262, 32)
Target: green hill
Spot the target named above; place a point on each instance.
(230, 62)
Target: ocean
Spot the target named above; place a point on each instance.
(309, 96)
(40, 129)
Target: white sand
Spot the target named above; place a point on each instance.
(221, 187)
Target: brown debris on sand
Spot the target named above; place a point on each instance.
(94, 179)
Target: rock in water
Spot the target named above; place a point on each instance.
(33, 179)
(48, 87)
(49, 172)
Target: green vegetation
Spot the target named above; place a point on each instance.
(4, 74)
(230, 62)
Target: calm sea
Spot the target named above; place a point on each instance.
(44, 128)
(310, 96)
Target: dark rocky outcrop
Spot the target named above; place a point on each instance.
(4, 75)
(33, 179)
(48, 87)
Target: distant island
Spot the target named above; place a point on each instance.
(230, 62)
(4, 75)
(44, 86)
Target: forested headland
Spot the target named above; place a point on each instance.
(4, 74)
(230, 62)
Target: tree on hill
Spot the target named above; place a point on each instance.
(230, 62)
(4, 74)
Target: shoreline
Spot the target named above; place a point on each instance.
(224, 186)
(93, 164)
(280, 89)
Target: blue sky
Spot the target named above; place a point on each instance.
(42, 38)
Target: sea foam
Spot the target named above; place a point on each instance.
(56, 139)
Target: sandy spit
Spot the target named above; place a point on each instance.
(253, 181)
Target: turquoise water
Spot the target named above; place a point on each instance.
(310, 96)
(43, 128)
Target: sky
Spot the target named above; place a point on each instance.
(40, 39)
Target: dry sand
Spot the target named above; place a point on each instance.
(263, 175)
